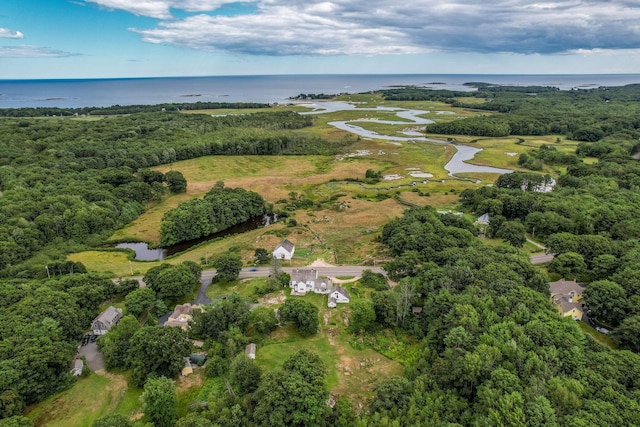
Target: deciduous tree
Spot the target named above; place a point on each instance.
(159, 401)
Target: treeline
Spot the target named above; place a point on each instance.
(546, 154)
(67, 183)
(581, 114)
(314, 96)
(221, 208)
(41, 323)
(124, 109)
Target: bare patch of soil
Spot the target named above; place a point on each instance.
(271, 299)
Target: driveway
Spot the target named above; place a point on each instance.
(95, 359)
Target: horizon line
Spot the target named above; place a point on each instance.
(311, 74)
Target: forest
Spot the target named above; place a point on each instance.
(68, 182)
(483, 344)
(125, 109)
(220, 209)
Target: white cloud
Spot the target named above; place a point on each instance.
(32, 52)
(325, 27)
(10, 34)
(161, 9)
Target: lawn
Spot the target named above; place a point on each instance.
(89, 399)
(598, 336)
(351, 372)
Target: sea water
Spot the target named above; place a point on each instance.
(264, 89)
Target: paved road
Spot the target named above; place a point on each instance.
(541, 259)
(345, 270)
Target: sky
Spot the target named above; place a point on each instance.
(49, 39)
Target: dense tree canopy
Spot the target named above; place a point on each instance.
(40, 325)
(70, 182)
(157, 351)
(220, 209)
(171, 282)
(302, 313)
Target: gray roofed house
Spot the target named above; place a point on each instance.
(307, 280)
(181, 315)
(338, 295)
(106, 320)
(567, 298)
(284, 250)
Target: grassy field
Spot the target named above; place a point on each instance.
(347, 215)
(89, 399)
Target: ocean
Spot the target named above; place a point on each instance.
(264, 89)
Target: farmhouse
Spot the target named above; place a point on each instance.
(307, 280)
(181, 316)
(106, 320)
(338, 295)
(567, 298)
(284, 250)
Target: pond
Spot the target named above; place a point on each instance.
(144, 253)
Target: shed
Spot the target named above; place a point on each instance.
(188, 369)
(484, 219)
(78, 365)
(250, 351)
(197, 358)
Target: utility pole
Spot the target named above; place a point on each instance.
(48, 275)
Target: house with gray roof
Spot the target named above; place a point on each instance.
(284, 250)
(305, 280)
(182, 315)
(106, 320)
(566, 296)
(338, 295)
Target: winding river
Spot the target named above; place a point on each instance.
(457, 164)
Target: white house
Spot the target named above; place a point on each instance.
(107, 319)
(284, 250)
(307, 280)
(338, 295)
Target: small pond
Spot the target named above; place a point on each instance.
(144, 253)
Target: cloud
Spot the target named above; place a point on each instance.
(10, 34)
(32, 52)
(161, 9)
(314, 27)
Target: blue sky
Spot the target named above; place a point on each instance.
(144, 38)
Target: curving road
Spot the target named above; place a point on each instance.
(337, 271)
